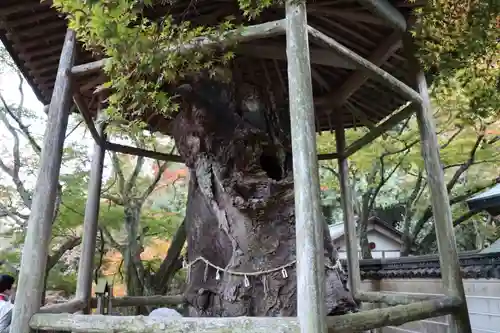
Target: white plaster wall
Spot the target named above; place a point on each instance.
(385, 246)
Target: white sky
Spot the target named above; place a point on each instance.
(9, 86)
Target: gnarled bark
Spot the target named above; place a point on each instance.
(240, 210)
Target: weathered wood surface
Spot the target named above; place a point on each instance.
(308, 217)
(90, 222)
(35, 251)
(351, 239)
(111, 146)
(391, 299)
(380, 129)
(278, 52)
(443, 219)
(387, 11)
(383, 52)
(67, 307)
(84, 111)
(258, 31)
(373, 70)
(147, 300)
(355, 322)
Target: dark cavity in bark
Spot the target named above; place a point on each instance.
(240, 210)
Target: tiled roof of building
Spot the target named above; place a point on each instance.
(473, 265)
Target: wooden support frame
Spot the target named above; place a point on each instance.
(119, 148)
(373, 70)
(355, 322)
(142, 152)
(308, 219)
(358, 78)
(253, 32)
(391, 299)
(396, 118)
(90, 223)
(34, 257)
(155, 300)
(351, 239)
(67, 307)
(386, 11)
(277, 52)
(440, 202)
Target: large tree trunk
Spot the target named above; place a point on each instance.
(240, 210)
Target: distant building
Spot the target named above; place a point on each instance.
(385, 241)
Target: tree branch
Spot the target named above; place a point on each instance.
(116, 200)
(133, 177)
(157, 178)
(457, 199)
(119, 173)
(14, 171)
(68, 245)
(465, 166)
(24, 129)
(431, 236)
(111, 240)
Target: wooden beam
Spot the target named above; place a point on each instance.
(440, 201)
(382, 53)
(373, 70)
(33, 18)
(155, 300)
(39, 30)
(308, 219)
(142, 152)
(82, 107)
(329, 156)
(87, 117)
(379, 130)
(385, 10)
(90, 222)
(351, 239)
(253, 32)
(67, 307)
(354, 322)
(34, 42)
(278, 52)
(43, 62)
(391, 299)
(45, 72)
(38, 235)
(41, 52)
(22, 7)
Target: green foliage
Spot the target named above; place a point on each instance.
(146, 55)
(469, 152)
(458, 34)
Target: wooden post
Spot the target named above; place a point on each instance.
(443, 220)
(348, 212)
(38, 234)
(86, 264)
(308, 219)
(348, 323)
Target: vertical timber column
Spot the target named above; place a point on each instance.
(308, 220)
(86, 264)
(443, 222)
(348, 211)
(34, 256)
